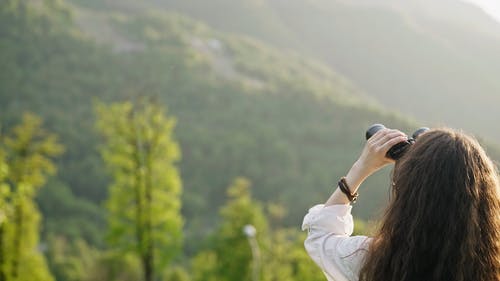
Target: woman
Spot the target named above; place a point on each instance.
(442, 222)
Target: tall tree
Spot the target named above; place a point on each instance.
(144, 201)
(235, 259)
(28, 150)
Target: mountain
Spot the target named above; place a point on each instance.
(434, 60)
(288, 123)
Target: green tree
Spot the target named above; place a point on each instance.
(285, 257)
(72, 260)
(28, 150)
(282, 253)
(176, 273)
(4, 211)
(115, 266)
(144, 201)
(232, 248)
(204, 266)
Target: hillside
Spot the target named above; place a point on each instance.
(434, 60)
(289, 124)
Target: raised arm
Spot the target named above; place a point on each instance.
(372, 159)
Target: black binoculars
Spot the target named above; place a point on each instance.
(398, 149)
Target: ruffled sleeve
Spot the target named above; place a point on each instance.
(330, 244)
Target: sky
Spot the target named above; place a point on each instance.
(491, 7)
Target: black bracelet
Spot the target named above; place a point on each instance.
(352, 197)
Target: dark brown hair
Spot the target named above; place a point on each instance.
(443, 220)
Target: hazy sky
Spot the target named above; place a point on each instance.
(492, 7)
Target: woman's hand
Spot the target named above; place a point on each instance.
(372, 159)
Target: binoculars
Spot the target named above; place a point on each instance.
(397, 150)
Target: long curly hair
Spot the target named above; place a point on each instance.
(443, 219)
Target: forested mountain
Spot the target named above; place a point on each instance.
(434, 60)
(289, 124)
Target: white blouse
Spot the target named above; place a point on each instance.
(330, 244)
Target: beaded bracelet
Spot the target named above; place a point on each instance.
(352, 197)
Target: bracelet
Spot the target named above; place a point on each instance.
(352, 197)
